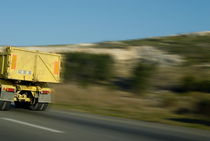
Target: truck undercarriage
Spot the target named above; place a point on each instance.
(35, 96)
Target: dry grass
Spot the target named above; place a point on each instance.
(153, 106)
(102, 100)
(100, 97)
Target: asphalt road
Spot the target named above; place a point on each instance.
(52, 125)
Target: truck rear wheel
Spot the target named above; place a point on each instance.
(43, 106)
(35, 107)
(5, 105)
(39, 106)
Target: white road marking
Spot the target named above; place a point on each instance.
(32, 125)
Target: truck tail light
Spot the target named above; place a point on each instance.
(45, 92)
(10, 89)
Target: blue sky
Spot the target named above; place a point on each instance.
(43, 22)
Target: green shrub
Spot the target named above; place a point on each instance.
(204, 86)
(87, 68)
(203, 107)
(190, 83)
(169, 101)
(140, 76)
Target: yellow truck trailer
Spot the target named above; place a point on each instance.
(24, 77)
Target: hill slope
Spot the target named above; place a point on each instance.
(193, 48)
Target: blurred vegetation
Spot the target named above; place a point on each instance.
(87, 68)
(140, 76)
(111, 45)
(191, 83)
(191, 79)
(91, 68)
(169, 100)
(194, 48)
(203, 107)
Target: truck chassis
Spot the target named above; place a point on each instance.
(35, 96)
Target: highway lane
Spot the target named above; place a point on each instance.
(23, 124)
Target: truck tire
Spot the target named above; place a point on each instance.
(5, 105)
(43, 106)
(8, 105)
(38, 106)
(35, 107)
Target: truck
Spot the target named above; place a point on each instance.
(25, 76)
